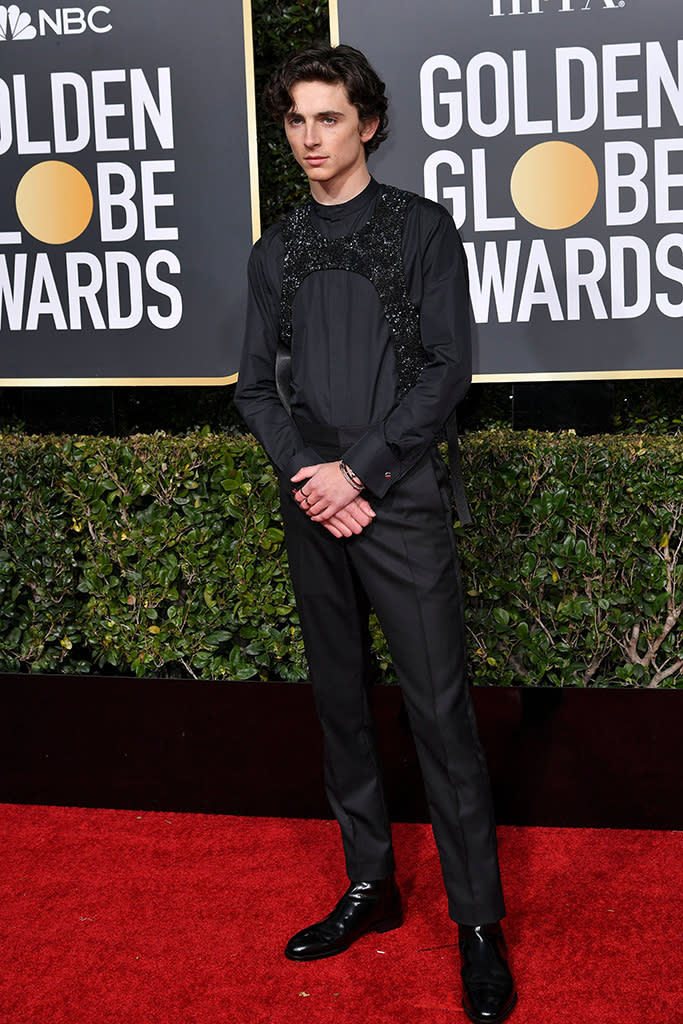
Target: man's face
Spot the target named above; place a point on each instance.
(326, 134)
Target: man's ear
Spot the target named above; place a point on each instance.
(368, 128)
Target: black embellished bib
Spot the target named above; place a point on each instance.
(373, 252)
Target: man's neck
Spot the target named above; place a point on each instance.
(335, 192)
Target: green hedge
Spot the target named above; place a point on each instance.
(162, 555)
(575, 568)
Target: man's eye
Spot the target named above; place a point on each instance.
(330, 120)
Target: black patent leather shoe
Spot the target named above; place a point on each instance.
(364, 907)
(489, 990)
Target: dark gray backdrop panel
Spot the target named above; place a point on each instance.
(203, 45)
(399, 37)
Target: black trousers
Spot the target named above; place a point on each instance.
(404, 565)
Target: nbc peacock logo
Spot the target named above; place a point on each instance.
(62, 21)
(15, 24)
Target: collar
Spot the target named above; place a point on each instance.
(340, 210)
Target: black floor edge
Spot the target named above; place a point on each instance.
(567, 757)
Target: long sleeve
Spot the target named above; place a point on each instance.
(436, 275)
(256, 395)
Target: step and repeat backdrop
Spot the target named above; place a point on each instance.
(551, 129)
(127, 202)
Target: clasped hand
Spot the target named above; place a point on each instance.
(328, 498)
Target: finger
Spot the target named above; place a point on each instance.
(356, 516)
(304, 498)
(306, 492)
(307, 508)
(351, 514)
(353, 526)
(303, 474)
(321, 509)
(344, 519)
(331, 528)
(366, 507)
(324, 516)
(347, 526)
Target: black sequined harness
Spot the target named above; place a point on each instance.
(374, 252)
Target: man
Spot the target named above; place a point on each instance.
(357, 351)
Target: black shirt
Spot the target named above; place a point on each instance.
(343, 364)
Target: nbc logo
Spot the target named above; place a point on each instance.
(15, 24)
(64, 21)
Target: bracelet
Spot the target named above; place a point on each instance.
(350, 476)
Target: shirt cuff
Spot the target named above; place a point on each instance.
(374, 462)
(304, 457)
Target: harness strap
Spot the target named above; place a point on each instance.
(455, 468)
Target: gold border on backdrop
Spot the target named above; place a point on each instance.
(108, 382)
(334, 22)
(520, 378)
(251, 122)
(478, 378)
(80, 382)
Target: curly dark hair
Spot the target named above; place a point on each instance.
(331, 64)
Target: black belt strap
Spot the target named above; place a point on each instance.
(455, 466)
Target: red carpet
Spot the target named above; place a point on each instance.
(113, 917)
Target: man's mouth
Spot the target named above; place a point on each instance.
(315, 160)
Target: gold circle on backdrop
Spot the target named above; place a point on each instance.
(554, 185)
(54, 202)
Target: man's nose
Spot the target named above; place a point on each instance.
(311, 136)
